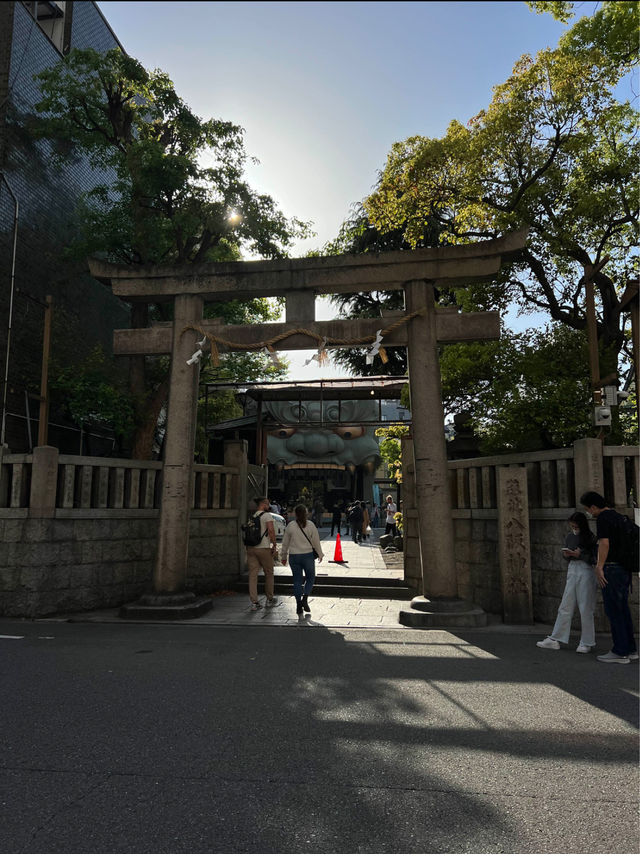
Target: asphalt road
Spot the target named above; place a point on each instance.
(200, 738)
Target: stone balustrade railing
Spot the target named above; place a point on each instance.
(48, 484)
(555, 478)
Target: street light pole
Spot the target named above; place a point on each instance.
(13, 281)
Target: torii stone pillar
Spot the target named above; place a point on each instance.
(439, 605)
(433, 501)
(170, 571)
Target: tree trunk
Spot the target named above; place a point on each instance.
(143, 440)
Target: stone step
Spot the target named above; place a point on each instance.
(340, 586)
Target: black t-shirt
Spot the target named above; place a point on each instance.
(608, 527)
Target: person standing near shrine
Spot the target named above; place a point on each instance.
(301, 545)
(355, 521)
(262, 556)
(336, 517)
(580, 588)
(613, 578)
(391, 510)
(366, 530)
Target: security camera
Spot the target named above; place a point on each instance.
(602, 416)
(622, 395)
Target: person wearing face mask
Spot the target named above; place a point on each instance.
(580, 588)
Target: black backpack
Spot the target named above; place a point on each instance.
(628, 543)
(251, 535)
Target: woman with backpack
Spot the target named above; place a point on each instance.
(301, 544)
(580, 588)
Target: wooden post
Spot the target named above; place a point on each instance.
(43, 423)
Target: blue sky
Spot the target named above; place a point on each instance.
(323, 90)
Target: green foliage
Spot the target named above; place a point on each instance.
(525, 392)
(95, 392)
(173, 193)
(612, 30)
(391, 449)
(553, 152)
(179, 193)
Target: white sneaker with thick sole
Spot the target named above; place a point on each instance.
(582, 647)
(548, 643)
(633, 656)
(613, 658)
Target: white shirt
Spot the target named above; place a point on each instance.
(294, 541)
(391, 509)
(265, 542)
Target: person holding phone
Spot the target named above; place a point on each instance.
(580, 588)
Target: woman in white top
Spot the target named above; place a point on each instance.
(299, 541)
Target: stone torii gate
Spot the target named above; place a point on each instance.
(420, 328)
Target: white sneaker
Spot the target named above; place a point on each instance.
(613, 658)
(548, 643)
(582, 647)
(633, 656)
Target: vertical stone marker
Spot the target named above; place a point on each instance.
(514, 545)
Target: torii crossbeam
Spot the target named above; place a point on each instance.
(422, 327)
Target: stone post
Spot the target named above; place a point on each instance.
(411, 547)
(177, 473)
(433, 502)
(588, 470)
(514, 545)
(44, 481)
(236, 455)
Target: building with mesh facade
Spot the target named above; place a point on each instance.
(45, 194)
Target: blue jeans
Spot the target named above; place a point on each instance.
(302, 564)
(616, 606)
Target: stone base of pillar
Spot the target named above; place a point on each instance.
(442, 613)
(176, 606)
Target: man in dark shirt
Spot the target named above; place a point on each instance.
(355, 518)
(613, 579)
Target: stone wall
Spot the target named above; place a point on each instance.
(554, 483)
(50, 566)
(81, 533)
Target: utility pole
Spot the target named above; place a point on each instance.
(43, 424)
(5, 387)
(590, 271)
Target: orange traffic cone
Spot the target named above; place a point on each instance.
(337, 555)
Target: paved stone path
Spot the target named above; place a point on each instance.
(231, 608)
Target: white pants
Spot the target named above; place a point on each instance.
(580, 590)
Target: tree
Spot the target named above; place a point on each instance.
(95, 393)
(164, 206)
(526, 392)
(391, 449)
(158, 203)
(554, 152)
(612, 29)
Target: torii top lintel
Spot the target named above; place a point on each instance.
(334, 274)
